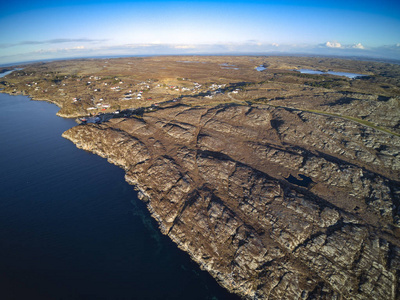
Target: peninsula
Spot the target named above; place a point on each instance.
(281, 183)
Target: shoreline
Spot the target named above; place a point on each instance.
(227, 283)
(172, 212)
(33, 98)
(132, 238)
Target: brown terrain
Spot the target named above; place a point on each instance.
(281, 185)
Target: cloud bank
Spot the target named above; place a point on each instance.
(52, 41)
(359, 46)
(80, 47)
(333, 45)
(337, 45)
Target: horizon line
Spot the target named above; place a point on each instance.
(350, 57)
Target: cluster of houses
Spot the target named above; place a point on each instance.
(215, 89)
(99, 105)
(30, 84)
(217, 86)
(177, 88)
(197, 85)
(115, 88)
(145, 85)
(130, 95)
(195, 88)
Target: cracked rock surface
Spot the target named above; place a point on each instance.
(274, 203)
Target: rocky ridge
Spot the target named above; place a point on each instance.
(275, 203)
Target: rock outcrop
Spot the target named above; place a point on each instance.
(274, 203)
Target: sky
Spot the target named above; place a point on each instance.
(42, 30)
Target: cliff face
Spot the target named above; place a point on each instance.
(274, 203)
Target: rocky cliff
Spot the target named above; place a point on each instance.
(275, 203)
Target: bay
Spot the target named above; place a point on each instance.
(72, 228)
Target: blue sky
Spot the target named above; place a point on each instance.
(35, 30)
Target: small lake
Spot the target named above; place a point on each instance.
(304, 181)
(315, 72)
(227, 66)
(72, 228)
(188, 61)
(261, 68)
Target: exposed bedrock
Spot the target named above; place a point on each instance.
(275, 204)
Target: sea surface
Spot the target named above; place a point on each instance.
(72, 228)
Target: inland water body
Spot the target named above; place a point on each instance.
(346, 74)
(72, 228)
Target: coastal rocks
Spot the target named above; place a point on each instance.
(224, 184)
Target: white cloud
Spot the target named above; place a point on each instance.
(184, 47)
(89, 50)
(333, 45)
(53, 41)
(59, 50)
(337, 45)
(358, 46)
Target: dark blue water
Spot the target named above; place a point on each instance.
(72, 228)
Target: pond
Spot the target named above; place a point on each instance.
(304, 181)
(261, 68)
(315, 72)
(227, 66)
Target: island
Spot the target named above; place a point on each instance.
(278, 175)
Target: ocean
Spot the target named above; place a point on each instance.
(72, 228)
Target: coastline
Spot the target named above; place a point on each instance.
(142, 195)
(169, 256)
(172, 212)
(33, 98)
(228, 283)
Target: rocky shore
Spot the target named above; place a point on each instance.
(217, 179)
